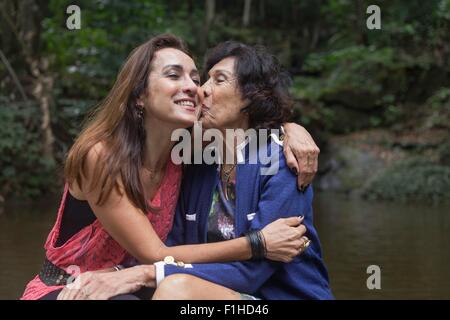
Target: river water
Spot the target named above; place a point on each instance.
(409, 242)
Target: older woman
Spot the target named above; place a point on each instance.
(246, 89)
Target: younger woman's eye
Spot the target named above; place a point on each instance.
(196, 81)
(173, 75)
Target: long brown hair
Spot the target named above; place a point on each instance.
(117, 125)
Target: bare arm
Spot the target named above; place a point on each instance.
(130, 227)
(283, 239)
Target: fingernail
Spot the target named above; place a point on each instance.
(301, 217)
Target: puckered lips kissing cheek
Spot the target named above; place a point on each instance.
(205, 111)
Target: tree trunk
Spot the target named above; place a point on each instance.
(361, 23)
(262, 11)
(29, 21)
(13, 75)
(42, 91)
(246, 14)
(315, 36)
(210, 8)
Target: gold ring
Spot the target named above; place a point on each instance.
(307, 243)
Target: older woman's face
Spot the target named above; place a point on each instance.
(221, 98)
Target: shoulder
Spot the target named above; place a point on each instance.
(89, 165)
(272, 159)
(96, 153)
(277, 179)
(275, 171)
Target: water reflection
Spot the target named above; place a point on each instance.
(23, 231)
(410, 243)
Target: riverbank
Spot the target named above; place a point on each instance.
(387, 164)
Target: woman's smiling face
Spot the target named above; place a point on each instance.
(221, 98)
(172, 95)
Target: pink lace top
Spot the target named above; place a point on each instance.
(92, 248)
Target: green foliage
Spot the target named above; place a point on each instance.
(411, 179)
(438, 109)
(352, 76)
(374, 81)
(346, 77)
(444, 153)
(362, 79)
(23, 170)
(93, 54)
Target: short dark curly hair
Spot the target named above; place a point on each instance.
(261, 80)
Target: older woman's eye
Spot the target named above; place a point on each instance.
(220, 79)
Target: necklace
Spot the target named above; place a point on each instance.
(156, 172)
(227, 175)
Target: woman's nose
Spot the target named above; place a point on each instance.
(190, 88)
(205, 90)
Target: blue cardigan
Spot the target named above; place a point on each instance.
(260, 199)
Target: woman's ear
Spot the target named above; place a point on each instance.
(140, 102)
(245, 104)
